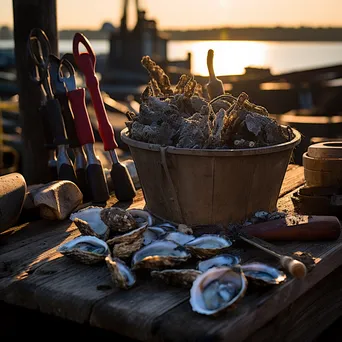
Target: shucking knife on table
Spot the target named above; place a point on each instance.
(289, 228)
(122, 182)
(95, 176)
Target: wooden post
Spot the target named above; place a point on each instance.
(29, 14)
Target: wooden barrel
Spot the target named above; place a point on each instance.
(217, 186)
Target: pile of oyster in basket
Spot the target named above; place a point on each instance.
(129, 242)
(184, 118)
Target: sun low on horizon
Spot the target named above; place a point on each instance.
(194, 13)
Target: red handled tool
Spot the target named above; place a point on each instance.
(122, 182)
(94, 171)
(60, 71)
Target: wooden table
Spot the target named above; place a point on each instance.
(35, 276)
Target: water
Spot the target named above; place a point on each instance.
(231, 57)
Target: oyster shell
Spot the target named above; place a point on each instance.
(88, 221)
(154, 233)
(125, 245)
(217, 289)
(227, 260)
(141, 216)
(179, 237)
(118, 220)
(159, 254)
(120, 273)
(169, 227)
(85, 249)
(177, 277)
(207, 245)
(262, 274)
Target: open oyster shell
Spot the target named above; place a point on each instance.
(227, 260)
(207, 245)
(121, 274)
(179, 237)
(88, 222)
(217, 289)
(141, 216)
(125, 245)
(85, 249)
(154, 233)
(262, 274)
(177, 277)
(160, 254)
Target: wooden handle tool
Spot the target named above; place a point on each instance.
(215, 86)
(296, 268)
(297, 228)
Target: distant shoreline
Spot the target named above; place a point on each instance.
(260, 34)
(281, 34)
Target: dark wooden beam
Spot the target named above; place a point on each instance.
(29, 14)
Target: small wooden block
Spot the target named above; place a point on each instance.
(327, 149)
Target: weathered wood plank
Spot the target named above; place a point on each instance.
(32, 232)
(54, 284)
(17, 264)
(293, 179)
(308, 316)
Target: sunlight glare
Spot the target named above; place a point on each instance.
(229, 59)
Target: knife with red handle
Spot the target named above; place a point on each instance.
(122, 182)
(94, 171)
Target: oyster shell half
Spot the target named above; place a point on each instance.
(218, 261)
(120, 273)
(177, 277)
(168, 226)
(217, 289)
(154, 233)
(85, 249)
(207, 245)
(160, 254)
(125, 245)
(88, 222)
(141, 216)
(179, 237)
(262, 274)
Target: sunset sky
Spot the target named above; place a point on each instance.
(195, 13)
